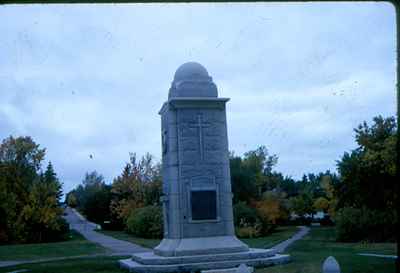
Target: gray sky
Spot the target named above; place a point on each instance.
(89, 79)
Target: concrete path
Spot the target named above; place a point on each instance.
(378, 255)
(86, 228)
(297, 236)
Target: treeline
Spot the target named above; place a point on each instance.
(30, 208)
(135, 193)
(264, 199)
(359, 199)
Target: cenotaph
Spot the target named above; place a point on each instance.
(197, 199)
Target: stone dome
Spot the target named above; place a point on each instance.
(192, 80)
(190, 71)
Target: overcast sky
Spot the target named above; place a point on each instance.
(89, 79)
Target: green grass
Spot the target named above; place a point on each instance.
(122, 235)
(309, 253)
(82, 265)
(76, 245)
(279, 235)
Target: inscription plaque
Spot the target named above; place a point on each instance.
(204, 205)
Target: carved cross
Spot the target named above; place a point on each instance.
(200, 125)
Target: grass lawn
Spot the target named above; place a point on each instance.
(281, 234)
(104, 264)
(309, 253)
(76, 245)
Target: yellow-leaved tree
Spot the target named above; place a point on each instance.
(138, 185)
(273, 207)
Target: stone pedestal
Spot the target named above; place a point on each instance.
(151, 263)
(197, 198)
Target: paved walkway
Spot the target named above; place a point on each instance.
(86, 228)
(379, 255)
(297, 236)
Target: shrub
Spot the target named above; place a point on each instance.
(266, 224)
(249, 231)
(146, 222)
(356, 224)
(250, 222)
(244, 215)
(52, 234)
(350, 224)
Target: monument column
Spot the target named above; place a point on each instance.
(197, 197)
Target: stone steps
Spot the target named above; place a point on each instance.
(134, 266)
(149, 258)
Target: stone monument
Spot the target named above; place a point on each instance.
(197, 198)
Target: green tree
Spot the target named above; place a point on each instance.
(53, 183)
(368, 172)
(252, 174)
(71, 200)
(368, 184)
(260, 165)
(243, 185)
(289, 186)
(302, 204)
(29, 200)
(42, 213)
(93, 197)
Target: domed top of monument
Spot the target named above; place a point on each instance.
(190, 70)
(191, 79)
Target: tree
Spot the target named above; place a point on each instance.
(329, 202)
(42, 213)
(273, 207)
(302, 204)
(92, 197)
(289, 186)
(54, 185)
(138, 185)
(71, 200)
(29, 199)
(20, 160)
(243, 186)
(321, 204)
(368, 172)
(260, 165)
(368, 185)
(252, 174)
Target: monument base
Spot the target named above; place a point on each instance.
(149, 262)
(200, 246)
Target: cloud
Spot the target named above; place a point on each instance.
(89, 79)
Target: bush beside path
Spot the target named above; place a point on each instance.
(87, 229)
